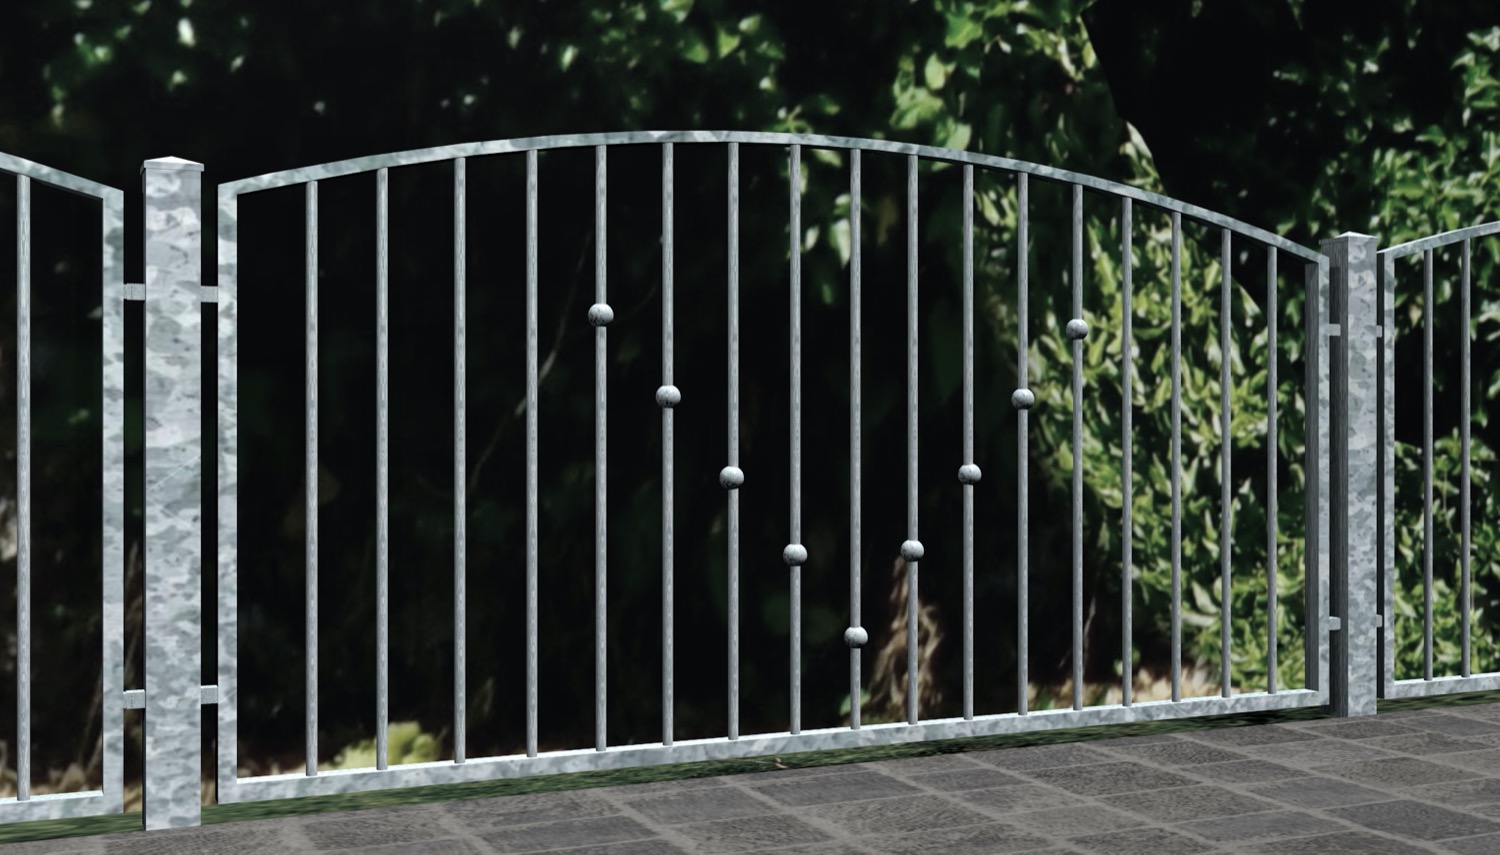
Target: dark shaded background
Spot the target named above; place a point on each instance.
(1241, 104)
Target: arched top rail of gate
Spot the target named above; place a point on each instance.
(1438, 241)
(355, 166)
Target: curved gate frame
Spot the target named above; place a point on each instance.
(312, 781)
(174, 291)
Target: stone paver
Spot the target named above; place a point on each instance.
(1420, 781)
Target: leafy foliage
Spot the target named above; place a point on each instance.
(1016, 79)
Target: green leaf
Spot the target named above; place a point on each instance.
(914, 107)
(1053, 13)
(959, 136)
(988, 209)
(678, 9)
(694, 48)
(823, 103)
(841, 241)
(828, 156)
(935, 73)
(728, 41)
(962, 30)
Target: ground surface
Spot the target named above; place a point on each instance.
(1422, 776)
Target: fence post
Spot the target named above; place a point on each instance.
(173, 512)
(1353, 484)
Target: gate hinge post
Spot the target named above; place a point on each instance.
(173, 697)
(1354, 414)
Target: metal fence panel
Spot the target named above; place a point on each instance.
(1348, 429)
(27, 806)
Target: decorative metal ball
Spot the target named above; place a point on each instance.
(795, 555)
(1078, 329)
(600, 314)
(1022, 399)
(911, 550)
(668, 397)
(731, 477)
(968, 474)
(856, 637)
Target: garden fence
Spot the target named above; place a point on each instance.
(1348, 386)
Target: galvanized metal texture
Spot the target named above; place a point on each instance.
(1272, 454)
(1127, 437)
(382, 469)
(1176, 456)
(460, 479)
(1348, 510)
(310, 482)
(354, 166)
(1226, 445)
(173, 509)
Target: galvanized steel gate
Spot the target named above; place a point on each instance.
(172, 327)
(1349, 523)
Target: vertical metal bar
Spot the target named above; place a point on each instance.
(795, 234)
(728, 479)
(382, 467)
(1340, 491)
(23, 487)
(912, 559)
(855, 688)
(1463, 427)
(968, 483)
(1386, 575)
(1021, 400)
(1176, 456)
(1225, 446)
(1427, 313)
(460, 496)
(311, 481)
(531, 451)
(228, 503)
(1318, 644)
(173, 215)
(112, 553)
(601, 593)
(1272, 357)
(1077, 448)
(1127, 409)
(666, 445)
(1312, 467)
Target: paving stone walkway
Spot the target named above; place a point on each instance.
(1417, 781)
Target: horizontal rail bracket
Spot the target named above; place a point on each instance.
(136, 292)
(135, 699)
(1334, 624)
(1335, 330)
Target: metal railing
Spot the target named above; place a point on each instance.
(1427, 684)
(111, 235)
(1345, 312)
(731, 477)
